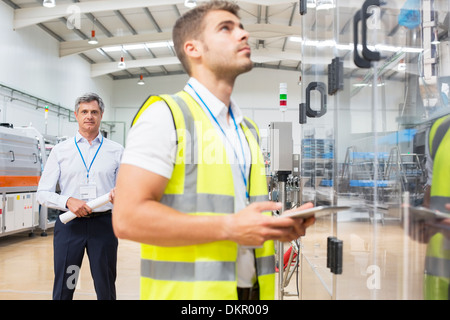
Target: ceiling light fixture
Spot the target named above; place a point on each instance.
(93, 39)
(190, 3)
(49, 3)
(141, 80)
(401, 65)
(122, 64)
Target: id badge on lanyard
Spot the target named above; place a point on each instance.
(88, 191)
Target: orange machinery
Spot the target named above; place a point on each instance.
(20, 171)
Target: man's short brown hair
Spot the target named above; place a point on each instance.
(190, 26)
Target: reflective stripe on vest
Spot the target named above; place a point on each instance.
(438, 267)
(206, 271)
(200, 270)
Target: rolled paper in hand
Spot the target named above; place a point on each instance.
(93, 204)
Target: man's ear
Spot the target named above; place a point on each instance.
(193, 48)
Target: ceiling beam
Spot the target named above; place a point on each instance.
(259, 31)
(101, 69)
(75, 47)
(25, 17)
(258, 56)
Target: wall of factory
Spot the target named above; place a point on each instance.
(30, 62)
(257, 93)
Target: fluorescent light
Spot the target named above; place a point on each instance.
(49, 3)
(295, 39)
(138, 46)
(367, 84)
(344, 46)
(112, 49)
(325, 4)
(412, 50)
(190, 3)
(125, 47)
(331, 43)
(319, 43)
(161, 44)
(311, 4)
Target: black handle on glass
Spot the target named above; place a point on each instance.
(305, 110)
(367, 53)
(357, 59)
(321, 87)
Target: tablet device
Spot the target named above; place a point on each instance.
(316, 211)
(422, 213)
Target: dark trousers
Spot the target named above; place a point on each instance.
(249, 293)
(96, 236)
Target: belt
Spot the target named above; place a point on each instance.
(93, 214)
(97, 214)
(248, 293)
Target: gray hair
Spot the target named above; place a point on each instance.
(88, 97)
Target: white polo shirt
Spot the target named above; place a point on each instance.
(151, 145)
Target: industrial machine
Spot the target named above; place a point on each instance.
(20, 170)
(23, 154)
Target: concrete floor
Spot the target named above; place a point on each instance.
(27, 269)
(26, 265)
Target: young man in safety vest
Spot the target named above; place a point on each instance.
(192, 186)
(437, 196)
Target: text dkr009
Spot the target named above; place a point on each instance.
(229, 309)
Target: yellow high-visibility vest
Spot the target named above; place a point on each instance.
(202, 184)
(437, 261)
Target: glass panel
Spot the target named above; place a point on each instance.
(369, 149)
(318, 169)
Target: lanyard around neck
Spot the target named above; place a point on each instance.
(242, 169)
(82, 158)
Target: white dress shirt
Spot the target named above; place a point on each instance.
(65, 166)
(157, 151)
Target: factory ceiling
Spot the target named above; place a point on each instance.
(139, 31)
